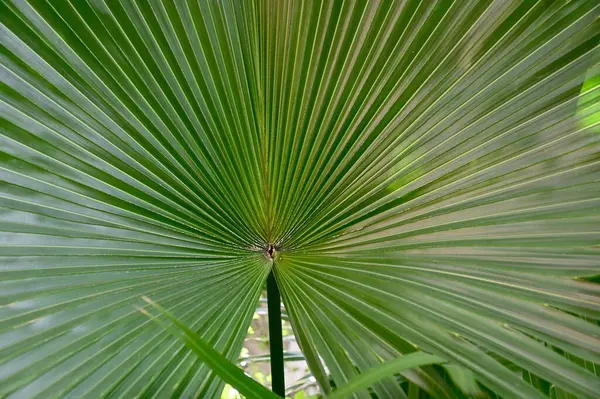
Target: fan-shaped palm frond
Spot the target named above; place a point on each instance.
(426, 172)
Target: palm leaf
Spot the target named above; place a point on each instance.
(252, 389)
(426, 170)
(217, 362)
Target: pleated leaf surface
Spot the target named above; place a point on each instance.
(428, 172)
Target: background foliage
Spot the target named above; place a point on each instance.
(428, 171)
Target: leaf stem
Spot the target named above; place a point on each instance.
(275, 336)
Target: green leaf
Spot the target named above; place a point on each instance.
(463, 378)
(234, 376)
(230, 373)
(426, 171)
(387, 369)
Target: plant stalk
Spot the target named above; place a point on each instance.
(275, 336)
